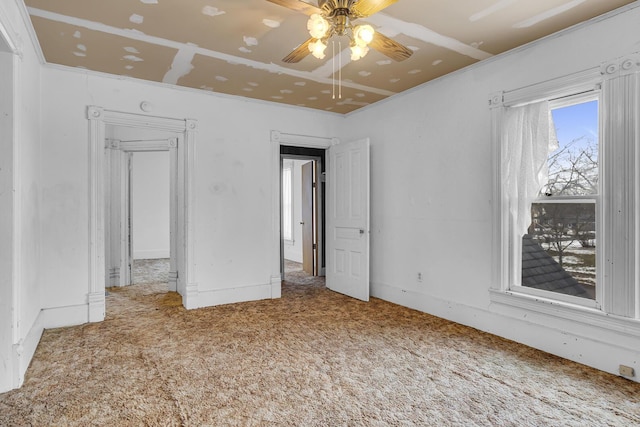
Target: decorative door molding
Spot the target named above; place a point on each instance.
(99, 118)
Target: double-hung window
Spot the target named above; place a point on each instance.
(567, 190)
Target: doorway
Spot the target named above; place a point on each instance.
(140, 164)
(181, 178)
(150, 217)
(346, 262)
(302, 212)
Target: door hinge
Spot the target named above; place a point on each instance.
(315, 246)
(314, 185)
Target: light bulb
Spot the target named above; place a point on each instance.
(363, 34)
(317, 26)
(358, 52)
(317, 49)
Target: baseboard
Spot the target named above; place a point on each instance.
(605, 356)
(23, 352)
(208, 298)
(59, 317)
(48, 318)
(151, 254)
(276, 286)
(295, 257)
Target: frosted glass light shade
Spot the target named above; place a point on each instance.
(358, 51)
(317, 49)
(363, 34)
(317, 26)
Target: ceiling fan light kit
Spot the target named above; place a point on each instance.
(321, 30)
(335, 18)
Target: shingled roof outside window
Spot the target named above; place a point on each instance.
(541, 271)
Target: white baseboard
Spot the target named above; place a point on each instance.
(295, 256)
(23, 352)
(208, 298)
(605, 356)
(59, 317)
(157, 254)
(276, 286)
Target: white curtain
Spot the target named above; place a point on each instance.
(529, 136)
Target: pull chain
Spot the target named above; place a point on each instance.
(333, 68)
(340, 71)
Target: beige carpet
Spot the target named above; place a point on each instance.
(312, 358)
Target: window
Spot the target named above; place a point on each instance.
(559, 248)
(287, 201)
(567, 222)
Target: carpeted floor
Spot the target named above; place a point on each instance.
(311, 358)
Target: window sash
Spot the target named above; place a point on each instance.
(517, 286)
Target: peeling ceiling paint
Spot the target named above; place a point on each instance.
(236, 47)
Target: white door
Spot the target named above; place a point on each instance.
(348, 219)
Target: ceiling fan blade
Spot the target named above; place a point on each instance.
(390, 47)
(298, 53)
(298, 6)
(365, 8)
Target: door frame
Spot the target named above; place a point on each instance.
(119, 243)
(295, 140)
(99, 118)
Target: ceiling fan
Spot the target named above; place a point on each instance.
(335, 17)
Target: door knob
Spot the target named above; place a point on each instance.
(361, 231)
(301, 222)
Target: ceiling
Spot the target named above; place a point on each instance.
(236, 46)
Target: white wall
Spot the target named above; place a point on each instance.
(22, 284)
(232, 190)
(431, 184)
(293, 251)
(150, 205)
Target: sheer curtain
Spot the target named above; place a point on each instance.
(529, 136)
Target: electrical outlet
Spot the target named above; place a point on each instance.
(419, 277)
(627, 371)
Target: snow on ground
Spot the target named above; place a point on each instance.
(568, 259)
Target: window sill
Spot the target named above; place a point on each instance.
(563, 310)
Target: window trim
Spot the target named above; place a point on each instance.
(584, 82)
(565, 310)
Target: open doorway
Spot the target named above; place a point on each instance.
(150, 217)
(182, 160)
(141, 200)
(302, 208)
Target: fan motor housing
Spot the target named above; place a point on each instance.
(330, 7)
